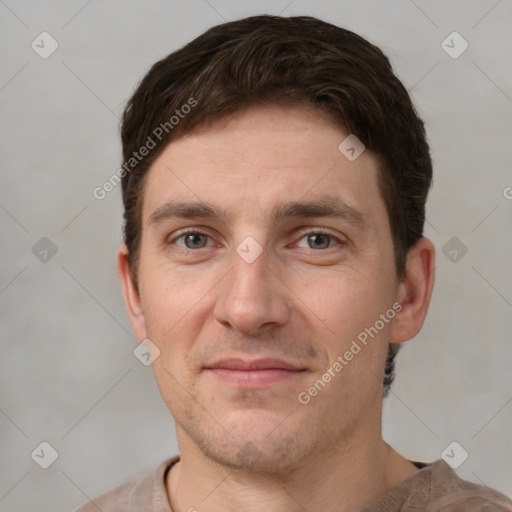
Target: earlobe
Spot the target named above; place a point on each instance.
(131, 294)
(415, 291)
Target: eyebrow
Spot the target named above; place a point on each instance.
(325, 207)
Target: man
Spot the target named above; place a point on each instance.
(274, 186)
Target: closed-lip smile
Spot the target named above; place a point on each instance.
(253, 373)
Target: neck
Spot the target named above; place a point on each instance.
(343, 478)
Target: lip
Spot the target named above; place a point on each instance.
(266, 363)
(254, 373)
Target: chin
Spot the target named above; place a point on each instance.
(260, 442)
(260, 458)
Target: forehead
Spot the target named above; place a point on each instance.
(250, 162)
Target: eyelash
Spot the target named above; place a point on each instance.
(189, 232)
(323, 233)
(303, 235)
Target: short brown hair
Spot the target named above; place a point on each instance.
(288, 61)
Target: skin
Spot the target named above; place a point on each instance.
(297, 300)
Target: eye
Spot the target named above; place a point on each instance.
(318, 240)
(193, 240)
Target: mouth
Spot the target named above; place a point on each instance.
(255, 373)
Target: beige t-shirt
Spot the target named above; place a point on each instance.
(434, 488)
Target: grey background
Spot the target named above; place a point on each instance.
(68, 374)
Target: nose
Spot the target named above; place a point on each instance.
(252, 299)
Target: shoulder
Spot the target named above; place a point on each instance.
(143, 493)
(450, 493)
(435, 487)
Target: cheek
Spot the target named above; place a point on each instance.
(172, 312)
(356, 337)
(172, 309)
(344, 302)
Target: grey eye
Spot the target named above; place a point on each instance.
(319, 241)
(195, 240)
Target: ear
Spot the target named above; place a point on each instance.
(414, 291)
(131, 294)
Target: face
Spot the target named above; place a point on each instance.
(265, 254)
